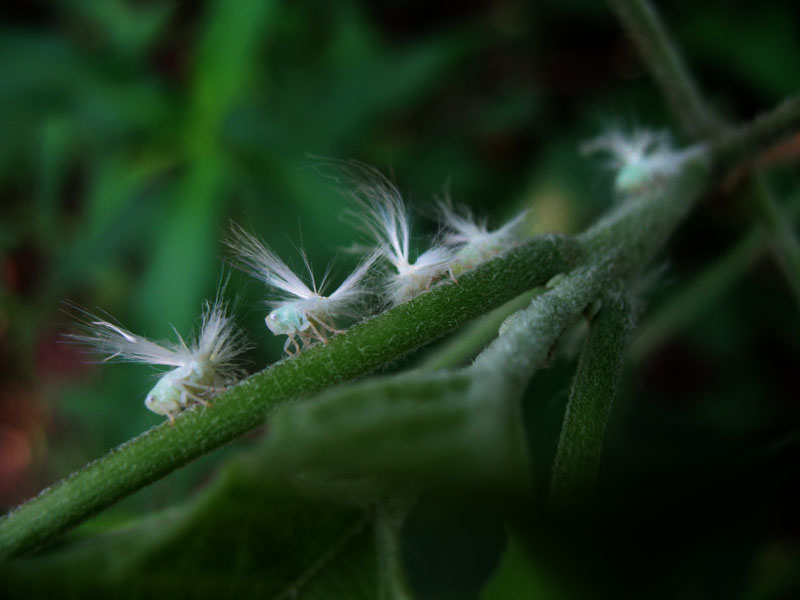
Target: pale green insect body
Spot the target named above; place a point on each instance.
(300, 316)
(181, 387)
(201, 368)
(644, 159)
(633, 177)
(307, 320)
(286, 320)
(650, 173)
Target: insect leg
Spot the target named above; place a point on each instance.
(214, 389)
(186, 393)
(290, 340)
(329, 327)
(320, 337)
(452, 275)
(305, 338)
(296, 345)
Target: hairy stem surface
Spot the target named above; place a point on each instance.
(593, 389)
(667, 67)
(527, 336)
(768, 128)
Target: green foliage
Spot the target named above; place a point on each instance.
(247, 535)
(134, 132)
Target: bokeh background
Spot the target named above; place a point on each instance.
(132, 132)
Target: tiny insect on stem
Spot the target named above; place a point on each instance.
(199, 369)
(301, 310)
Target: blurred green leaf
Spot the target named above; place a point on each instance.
(246, 536)
(60, 79)
(435, 430)
(180, 275)
(128, 27)
(717, 36)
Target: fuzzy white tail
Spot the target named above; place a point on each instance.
(253, 256)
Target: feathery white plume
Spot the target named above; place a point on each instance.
(476, 244)
(642, 158)
(380, 212)
(301, 311)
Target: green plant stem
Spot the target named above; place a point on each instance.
(624, 242)
(458, 427)
(527, 336)
(783, 242)
(593, 389)
(500, 374)
(765, 130)
(364, 348)
(687, 105)
(643, 24)
(619, 246)
(475, 336)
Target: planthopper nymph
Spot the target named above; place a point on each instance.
(473, 241)
(300, 312)
(643, 159)
(201, 368)
(379, 211)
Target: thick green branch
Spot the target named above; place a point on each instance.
(620, 246)
(528, 335)
(364, 348)
(589, 406)
(628, 238)
(476, 336)
(667, 67)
